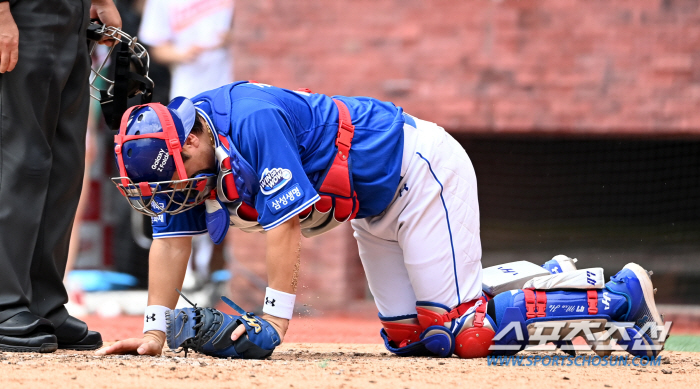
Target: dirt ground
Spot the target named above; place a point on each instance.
(319, 352)
(324, 365)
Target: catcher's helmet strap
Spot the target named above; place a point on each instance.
(169, 135)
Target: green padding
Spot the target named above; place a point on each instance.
(683, 343)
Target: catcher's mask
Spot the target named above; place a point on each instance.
(148, 153)
(129, 73)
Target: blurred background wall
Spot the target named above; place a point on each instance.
(581, 119)
(479, 66)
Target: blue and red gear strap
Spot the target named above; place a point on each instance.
(337, 180)
(245, 211)
(230, 185)
(428, 317)
(536, 302)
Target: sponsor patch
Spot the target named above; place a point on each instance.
(161, 160)
(285, 199)
(273, 180)
(158, 221)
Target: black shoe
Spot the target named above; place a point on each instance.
(26, 332)
(73, 334)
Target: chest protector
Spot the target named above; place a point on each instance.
(237, 182)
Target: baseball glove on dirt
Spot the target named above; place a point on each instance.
(208, 331)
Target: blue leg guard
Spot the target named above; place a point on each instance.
(560, 264)
(513, 313)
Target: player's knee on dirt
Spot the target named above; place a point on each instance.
(405, 337)
(470, 325)
(472, 328)
(438, 330)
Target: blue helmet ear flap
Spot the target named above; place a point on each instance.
(184, 109)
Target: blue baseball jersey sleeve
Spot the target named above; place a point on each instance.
(188, 223)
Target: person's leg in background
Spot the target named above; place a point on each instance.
(65, 183)
(31, 105)
(90, 150)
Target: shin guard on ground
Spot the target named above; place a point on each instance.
(472, 328)
(405, 337)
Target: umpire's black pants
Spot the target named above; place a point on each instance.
(43, 119)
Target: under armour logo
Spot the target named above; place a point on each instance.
(269, 302)
(151, 318)
(506, 270)
(405, 188)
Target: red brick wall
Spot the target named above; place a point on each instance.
(489, 66)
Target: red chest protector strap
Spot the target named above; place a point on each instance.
(336, 185)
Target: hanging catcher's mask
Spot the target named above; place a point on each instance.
(128, 73)
(148, 153)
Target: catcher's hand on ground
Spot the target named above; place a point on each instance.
(151, 344)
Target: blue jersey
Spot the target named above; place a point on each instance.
(288, 137)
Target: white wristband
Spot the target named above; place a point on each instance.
(279, 304)
(154, 318)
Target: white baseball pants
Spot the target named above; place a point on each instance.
(426, 245)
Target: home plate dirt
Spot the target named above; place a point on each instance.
(324, 365)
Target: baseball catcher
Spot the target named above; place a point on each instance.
(290, 163)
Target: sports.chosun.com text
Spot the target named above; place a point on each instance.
(567, 360)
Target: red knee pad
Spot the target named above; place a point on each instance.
(474, 342)
(432, 316)
(402, 333)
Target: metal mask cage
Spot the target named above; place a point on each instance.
(139, 58)
(178, 195)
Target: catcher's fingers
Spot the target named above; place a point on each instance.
(279, 324)
(240, 330)
(139, 345)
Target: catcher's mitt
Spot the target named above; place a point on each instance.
(208, 331)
